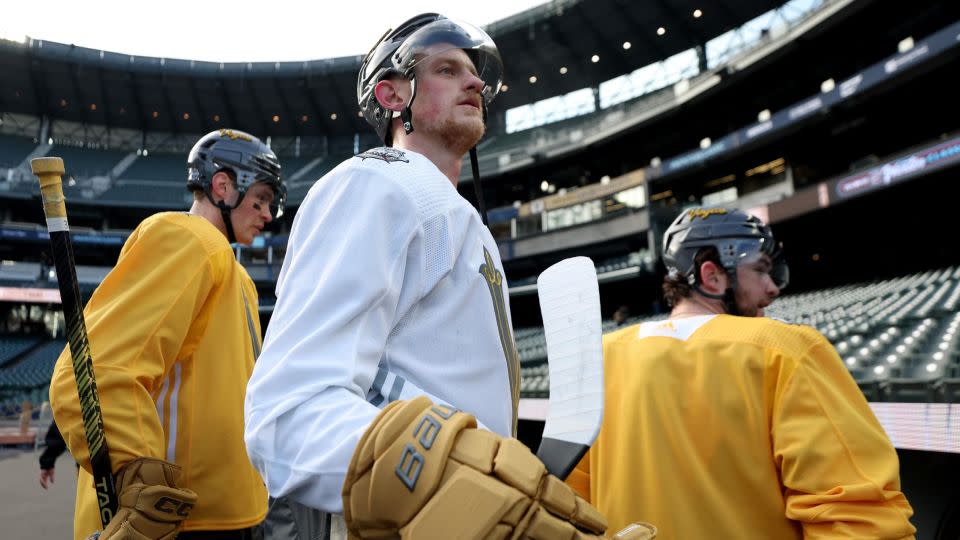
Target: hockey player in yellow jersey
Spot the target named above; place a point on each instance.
(174, 333)
(721, 423)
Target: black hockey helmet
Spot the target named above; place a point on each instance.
(245, 156)
(738, 237)
(399, 51)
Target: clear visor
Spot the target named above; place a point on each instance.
(279, 191)
(279, 201)
(763, 253)
(448, 34)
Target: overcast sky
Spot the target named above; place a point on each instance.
(235, 31)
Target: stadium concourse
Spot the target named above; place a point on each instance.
(832, 120)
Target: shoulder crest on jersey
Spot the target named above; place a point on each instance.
(386, 154)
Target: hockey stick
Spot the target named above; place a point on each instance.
(570, 305)
(48, 170)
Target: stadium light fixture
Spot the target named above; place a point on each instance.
(705, 143)
(892, 359)
(563, 70)
(697, 14)
(851, 361)
(533, 79)
(827, 85)
(655, 161)
(333, 116)
(626, 45)
(931, 367)
(145, 152)
(544, 186)
(763, 115)
(50, 141)
(905, 44)
(879, 370)
(595, 58)
(552, 189)
(661, 31)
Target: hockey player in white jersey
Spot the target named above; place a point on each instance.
(392, 314)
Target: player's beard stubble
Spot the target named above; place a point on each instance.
(460, 135)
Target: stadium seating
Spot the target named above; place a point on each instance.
(86, 162)
(14, 149)
(25, 372)
(13, 346)
(21, 273)
(158, 167)
(34, 369)
(149, 193)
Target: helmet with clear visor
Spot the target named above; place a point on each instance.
(400, 51)
(738, 237)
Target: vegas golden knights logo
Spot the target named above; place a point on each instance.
(495, 283)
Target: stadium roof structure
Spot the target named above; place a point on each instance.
(317, 97)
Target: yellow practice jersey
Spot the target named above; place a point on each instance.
(174, 333)
(734, 427)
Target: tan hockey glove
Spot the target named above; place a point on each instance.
(423, 471)
(151, 506)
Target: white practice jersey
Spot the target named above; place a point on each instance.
(391, 288)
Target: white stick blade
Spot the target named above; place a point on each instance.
(570, 305)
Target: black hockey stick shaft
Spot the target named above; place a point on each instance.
(49, 171)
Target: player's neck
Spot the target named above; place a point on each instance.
(449, 162)
(696, 305)
(207, 211)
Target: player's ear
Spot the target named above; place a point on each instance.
(220, 185)
(392, 93)
(713, 277)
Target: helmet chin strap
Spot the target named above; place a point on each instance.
(729, 296)
(225, 212)
(406, 116)
(475, 168)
